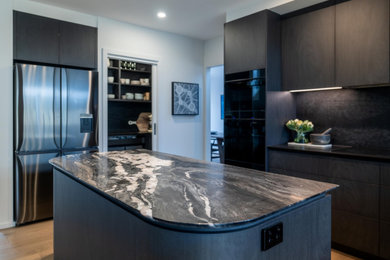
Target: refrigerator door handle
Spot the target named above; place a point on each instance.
(57, 108)
(20, 195)
(64, 106)
(18, 96)
(33, 187)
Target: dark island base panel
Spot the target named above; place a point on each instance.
(88, 226)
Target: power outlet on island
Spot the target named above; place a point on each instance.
(271, 236)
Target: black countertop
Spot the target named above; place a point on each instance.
(186, 193)
(341, 151)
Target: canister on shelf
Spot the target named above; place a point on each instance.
(147, 96)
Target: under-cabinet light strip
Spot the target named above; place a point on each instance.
(315, 89)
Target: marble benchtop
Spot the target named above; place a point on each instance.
(171, 189)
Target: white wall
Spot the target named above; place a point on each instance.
(213, 52)
(216, 90)
(6, 115)
(254, 7)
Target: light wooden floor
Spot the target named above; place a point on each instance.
(35, 242)
(30, 242)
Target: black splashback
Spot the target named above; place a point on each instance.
(359, 117)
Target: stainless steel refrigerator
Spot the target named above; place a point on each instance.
(55, 113)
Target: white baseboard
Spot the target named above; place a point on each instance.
(7, 225)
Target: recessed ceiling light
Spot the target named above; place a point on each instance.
(161, 15)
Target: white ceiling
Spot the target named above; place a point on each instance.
(201, 19)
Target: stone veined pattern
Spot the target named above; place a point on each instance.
(174, 189)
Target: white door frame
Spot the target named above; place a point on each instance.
(206, 115)
(103, 107)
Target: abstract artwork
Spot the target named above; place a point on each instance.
(185, 98)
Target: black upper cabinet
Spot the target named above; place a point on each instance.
(342, 45)
(362, 42)
(44, 40)
(308, 50)
(245, 43)
(78, 45)
(36, 38)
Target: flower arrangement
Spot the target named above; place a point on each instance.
(301, 128)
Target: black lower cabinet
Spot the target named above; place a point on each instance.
(355, 231)
(356, 198)
(384, 203)
(384, 225)
(384, 247)
(360, 206)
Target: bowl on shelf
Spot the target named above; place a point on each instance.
(320, 139)
(129, 95)
(144, 82)
(135, 82)
(111, 96)
(139, 96)
(128, 81)
(110, 79)
(123, 81)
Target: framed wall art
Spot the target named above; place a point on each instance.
(185, 98)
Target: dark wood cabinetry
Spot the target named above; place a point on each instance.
(36, 38)
(342, 45)
(355, 231)
(253, 42)
(78, 45)
(360, 213)
(44, 40)
(308, 50)
(384, 248)
(362, 42)
(385, 193)
(245, 43)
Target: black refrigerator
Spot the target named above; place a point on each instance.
(55, 113)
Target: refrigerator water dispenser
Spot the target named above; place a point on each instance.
(86, 123)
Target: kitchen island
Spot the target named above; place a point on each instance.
(149, 205)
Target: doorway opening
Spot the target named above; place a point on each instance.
(216, 114)
(128, 95)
